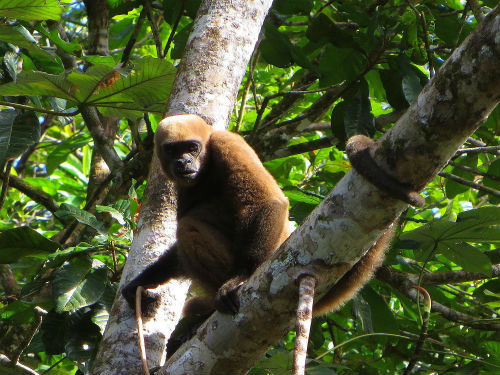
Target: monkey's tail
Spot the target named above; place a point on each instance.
(356, 277)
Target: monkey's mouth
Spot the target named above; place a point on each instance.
(188, 173)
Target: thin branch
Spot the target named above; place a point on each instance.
(133, 38)
(253, 63)
(25, 341)
(402, 282)
(301, 148)
(471, 184)
(5, 181)
(452, 277)
(425, 31)
(154, 28)
(23, 369)
(38, 195)
(103, 143)
(474, 171)
(41, 110)
(475, 150)
(476, 10)
(174, 28)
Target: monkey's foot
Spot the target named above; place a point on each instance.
(226, 299)
(358, 150)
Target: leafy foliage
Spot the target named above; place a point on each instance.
(323, 72)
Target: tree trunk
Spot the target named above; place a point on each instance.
(207, 82)
(355, 213)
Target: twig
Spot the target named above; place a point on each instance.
(448, 277)
(402, 282)
(5, 181)
(423, 331)
(174, 28)
(425, 31)
(133, 38)
(154, 28)
(301, 148)
(38, 195)
(41, 110)
(25, 341)
(471, 184)
(246, 89)
(476, 10)
(475, 150)
(474, 171)
(23, 369)
(140, 335)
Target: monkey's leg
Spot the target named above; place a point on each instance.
(196, 311)
(359, 149)
(259, 236)
(204, 252)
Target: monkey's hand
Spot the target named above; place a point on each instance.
(148, 302)
(226, 298)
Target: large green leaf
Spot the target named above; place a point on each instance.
(145, 88)
(340, 64)
(66, 211)
(17, 132)
(77, 285)
(21, 37)
(31, 9)
(450, 238)
(20, 242)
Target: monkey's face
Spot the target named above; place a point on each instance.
(182, 161)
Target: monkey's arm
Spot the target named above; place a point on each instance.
(359, 151)
(163, 269)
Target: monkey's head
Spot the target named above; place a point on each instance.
(181, 145)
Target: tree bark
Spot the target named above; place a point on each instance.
(217, 53)
(355, 213)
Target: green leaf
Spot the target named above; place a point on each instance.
(20, 37)
(358, 118)
(115, 214)
(17, 312)
(340, 64)
(24, 241)
(65, 211)
(145, 88)
(382, 317)
(454, 188)
(466, 256)
(60, 153)
(297, 195)
(17, 132)
(363, 313)
(77, 285)
(276, 48)
(31, 10)
(411, 87)
(73, 48)
(293, 7)
(52, 330)
(393, 87)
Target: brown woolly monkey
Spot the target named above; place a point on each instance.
(232, 216)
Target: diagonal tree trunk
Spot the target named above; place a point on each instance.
(207, 82)
(348, 221)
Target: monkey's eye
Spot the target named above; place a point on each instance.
(193, 148)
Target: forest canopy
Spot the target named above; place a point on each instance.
(83, 86)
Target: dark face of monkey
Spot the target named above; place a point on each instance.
(182, 161)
